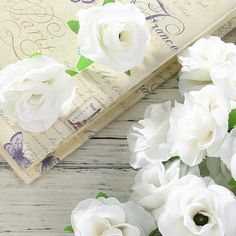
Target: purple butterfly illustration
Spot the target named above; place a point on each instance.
(49, 162)
(15, 149)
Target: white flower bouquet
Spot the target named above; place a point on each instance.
(186, 157)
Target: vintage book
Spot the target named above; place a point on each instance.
(101, 95)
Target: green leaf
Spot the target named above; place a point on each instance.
(35, 54)
(232, 183)
(83, 63)
(232, 119)
(155, 232)
(69, 229)
(101, 194)
(71, 72)
(128, 72)
(175, 158)
(74, 26)
(108, 1)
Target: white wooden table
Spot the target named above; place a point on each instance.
(102, 164)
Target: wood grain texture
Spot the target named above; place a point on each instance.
(102, 164)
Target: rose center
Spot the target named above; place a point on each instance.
(49, 82)
(124, 36)
(35, 98)
(209, 135)
(200, 219)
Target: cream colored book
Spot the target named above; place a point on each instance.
(101, 95)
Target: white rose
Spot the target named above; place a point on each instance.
(115, 35)
(109, 217)
(148, 139)
(153, 182)
(211, 98)
(224, 77)
(35, 92)
(199, 126)
(227, 152)
(200, 59)
(219, 107)
(197, 208)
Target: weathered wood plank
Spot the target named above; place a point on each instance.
(46, 205)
